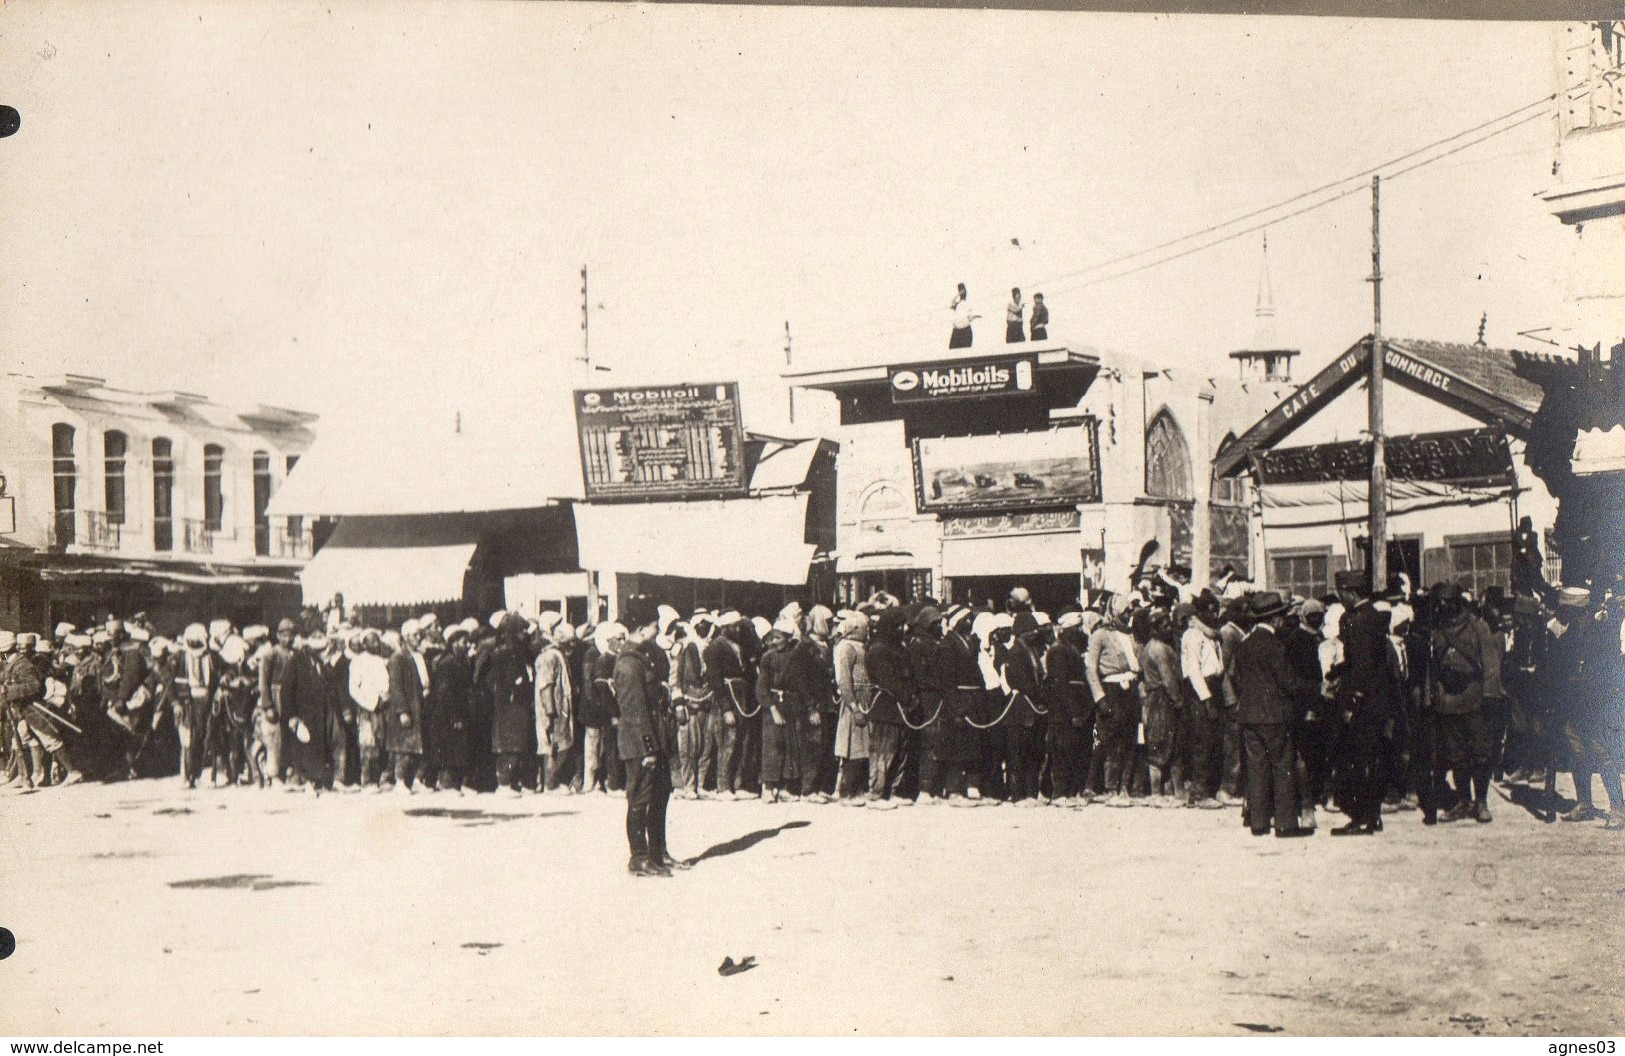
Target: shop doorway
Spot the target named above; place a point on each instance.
(1051, 593)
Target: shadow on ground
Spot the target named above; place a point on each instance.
(747, 841)
(251, 881)
(1540, 804)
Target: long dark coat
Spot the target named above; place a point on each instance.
(503, 674)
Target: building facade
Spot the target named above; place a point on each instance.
(121, 501)
(1045, 465)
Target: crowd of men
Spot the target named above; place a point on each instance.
(1162, 696)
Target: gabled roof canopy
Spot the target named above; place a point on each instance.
(1479, 381)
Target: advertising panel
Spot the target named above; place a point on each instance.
(661, 442)
(1013, 471)
(963, 379)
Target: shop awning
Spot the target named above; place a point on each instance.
(404, 575)
(752, 540)
(1013, 555)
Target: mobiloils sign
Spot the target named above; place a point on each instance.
(962, 379)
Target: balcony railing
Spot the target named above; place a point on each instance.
(91, 529)
(293, 543)
(198, 537)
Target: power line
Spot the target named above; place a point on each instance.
(813, 339)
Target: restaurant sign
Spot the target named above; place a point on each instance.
(962, 379)
(661, 442)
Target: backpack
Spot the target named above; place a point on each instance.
(1457, 670)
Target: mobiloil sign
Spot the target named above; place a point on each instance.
(961, 379)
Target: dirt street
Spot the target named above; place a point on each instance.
(140, 909)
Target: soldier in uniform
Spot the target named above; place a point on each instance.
(1113, 670)
(1582, 655)
(1465, 667)
(555, 704)
(854, 692)
(647, 740)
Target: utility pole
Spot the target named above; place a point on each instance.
(1377, 500)
(789, 387)
(586, 346)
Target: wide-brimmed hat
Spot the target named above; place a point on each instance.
(1573, 598)
(1266, 605)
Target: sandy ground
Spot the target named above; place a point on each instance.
(141, 909)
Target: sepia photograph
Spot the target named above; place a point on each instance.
(731, 521)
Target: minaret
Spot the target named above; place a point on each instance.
(1264, 313)
(1265, 359)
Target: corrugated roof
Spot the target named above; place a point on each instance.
(1494, 370)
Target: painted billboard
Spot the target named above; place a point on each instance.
(1012, 471)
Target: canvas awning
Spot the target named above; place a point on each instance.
(1013, 555)
(385, 575)
(750, 540)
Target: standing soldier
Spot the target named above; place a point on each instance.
(231, 718)
(809, 675)
(647, 741)
(1582, 655)
(1466, 670)
(1202, 666)
(1164, 718)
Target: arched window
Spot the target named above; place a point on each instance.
(214, 493)
(163, 494)
(65, 479)
(115, 447)
(1167, 460)
(262, 499)
(1228, 491)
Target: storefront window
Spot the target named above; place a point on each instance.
(1480, 564)
(1306, 575)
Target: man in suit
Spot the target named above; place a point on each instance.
(647, 736)
(1267, 692)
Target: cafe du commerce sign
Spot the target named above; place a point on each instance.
(963, 379)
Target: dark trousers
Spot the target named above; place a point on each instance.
(1116, 725)
(1204, 746)
(509, 772)
(1231, 780)
(648, 791)
(930, 745)
(1362, 765)
(406, 766)
(1025, 748)
(1067, 765)
(1270, 786)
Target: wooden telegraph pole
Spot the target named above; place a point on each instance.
(1377, 521)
